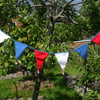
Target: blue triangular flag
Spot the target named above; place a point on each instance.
(82, 50)
(19, 48)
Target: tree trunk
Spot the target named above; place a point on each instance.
(51, 26)
(37, 85)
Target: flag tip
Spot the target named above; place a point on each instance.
(63, 72)
(16, 62)
(38, 71)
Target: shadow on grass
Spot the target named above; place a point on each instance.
(16, 90)
(60, 91)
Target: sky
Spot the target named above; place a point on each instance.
(77, 0)
(68, 0)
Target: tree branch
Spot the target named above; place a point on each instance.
(41, 6)
(74, 21)
(54, 7)
(37, 5)
(76, 3)
(61, 12)
(43, 3)
(63, 21)
(58, 16)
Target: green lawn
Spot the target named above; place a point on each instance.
(59, 92)
(8, 89)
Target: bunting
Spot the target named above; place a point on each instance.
(82, 50)
(96, 39)
(19, 48)
(40, 58)
(3, 36)
(62, 59)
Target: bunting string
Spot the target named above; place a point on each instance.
(40, 56)
(34, 48)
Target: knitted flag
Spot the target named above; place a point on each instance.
(96, 39)
(3, 36)
(62, 59)
(82, 50)
(40, 58)
(19, 48)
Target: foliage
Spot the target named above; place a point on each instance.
(91, 16)
(7, 54)
(92, 69)
(91, 73)
(7, 12)
(34, 32)
(92, 95)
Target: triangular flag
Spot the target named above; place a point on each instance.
(19, 48)
(3, 36)
(62, 59)
(96, 39)
(40, 58)
(82, 50)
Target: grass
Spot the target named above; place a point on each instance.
(58, 92)
(5, 89)
(8, 90)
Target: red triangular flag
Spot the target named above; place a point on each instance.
(96, 39)
(40, 58)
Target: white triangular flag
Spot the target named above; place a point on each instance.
(62, 59)
(3, 36)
